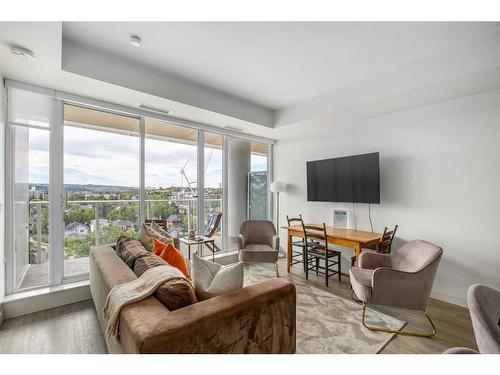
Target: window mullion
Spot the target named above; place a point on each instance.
(56, 191)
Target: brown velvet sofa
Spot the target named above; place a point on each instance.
(256, 319)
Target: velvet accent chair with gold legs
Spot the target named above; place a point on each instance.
(484, 307)
(403, 279)
(259, 243)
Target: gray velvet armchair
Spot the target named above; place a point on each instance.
(402, 279)
(484, 307)
(258, 242)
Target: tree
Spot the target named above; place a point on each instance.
(80, 215)
(78, 247)
(162, 210)
(125, 212)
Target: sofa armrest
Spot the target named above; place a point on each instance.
(460, 351)
(256, 319)
(241, 242)
(371, 260)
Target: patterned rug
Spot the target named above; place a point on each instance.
(326, 323)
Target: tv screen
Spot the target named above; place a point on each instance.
(347, 179)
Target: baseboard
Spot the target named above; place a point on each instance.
(445, 297)
(44, 299)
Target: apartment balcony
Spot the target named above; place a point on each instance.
(97, 222)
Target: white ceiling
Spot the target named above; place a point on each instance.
(276, 64)
(236, 74)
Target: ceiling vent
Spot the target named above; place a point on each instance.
(234, 128)
(22, 52)
(156, 109)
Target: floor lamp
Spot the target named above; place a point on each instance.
(277, 187)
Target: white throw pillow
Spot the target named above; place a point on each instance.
(211, 279)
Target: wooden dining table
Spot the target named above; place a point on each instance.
(354, 239)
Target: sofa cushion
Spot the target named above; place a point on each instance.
(173, 294)
(129, 249)
(212, 279)
(144, 263)
(258, 253)
(157, 228)
(146, 235)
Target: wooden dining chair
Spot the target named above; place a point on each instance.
(319, 251)
(298, 246)
(384, 245)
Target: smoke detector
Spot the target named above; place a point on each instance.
(22, 52)
(135, 41)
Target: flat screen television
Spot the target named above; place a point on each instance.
(346, 179)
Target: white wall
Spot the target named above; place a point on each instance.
(2, 190)
(440, 181)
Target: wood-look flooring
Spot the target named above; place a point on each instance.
(70, 329)
(75, 329)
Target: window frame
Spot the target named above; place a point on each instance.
(56, 173)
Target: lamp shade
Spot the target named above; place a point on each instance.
(277, 186)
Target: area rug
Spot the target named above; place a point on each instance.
(329, 324)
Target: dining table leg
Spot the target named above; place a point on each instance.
(357, 251)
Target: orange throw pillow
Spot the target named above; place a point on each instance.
(158, 246)
(172, 256)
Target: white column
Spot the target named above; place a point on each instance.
(238, 167)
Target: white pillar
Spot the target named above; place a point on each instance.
(238, 164)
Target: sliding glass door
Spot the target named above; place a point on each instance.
(28, 138)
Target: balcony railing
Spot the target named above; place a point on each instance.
(94, 222)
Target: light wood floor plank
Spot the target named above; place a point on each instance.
(75, 329)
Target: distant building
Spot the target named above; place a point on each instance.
(75, 230)
(173, 221)
(177, 231)
(103, 223)
(123, 224)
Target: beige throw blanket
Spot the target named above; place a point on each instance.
(134, 291)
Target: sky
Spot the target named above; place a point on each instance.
(101, 158)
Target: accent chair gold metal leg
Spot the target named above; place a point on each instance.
(276, 268)
(400, 332)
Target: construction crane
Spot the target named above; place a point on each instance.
(185, 178)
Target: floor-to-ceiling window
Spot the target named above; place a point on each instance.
(171, 176)
(109, 170)
(101, 182)
(29, 131)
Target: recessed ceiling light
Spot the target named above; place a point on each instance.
(156, 109)
(22, 52)
(135, 41)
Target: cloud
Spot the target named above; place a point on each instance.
(103, 158)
